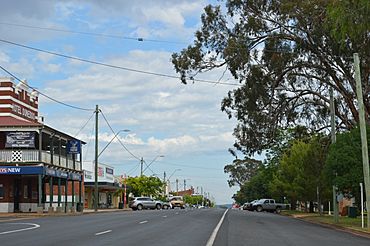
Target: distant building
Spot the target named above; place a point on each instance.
(107, 186)
(40, 167)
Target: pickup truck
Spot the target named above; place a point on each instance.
(268, 205)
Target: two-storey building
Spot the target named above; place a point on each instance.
(40, 167)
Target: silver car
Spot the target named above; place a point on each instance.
(139, 203)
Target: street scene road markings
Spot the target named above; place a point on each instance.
(34, 226)
(143, 222)
(211, 240)
(164, 216)
(103, 232)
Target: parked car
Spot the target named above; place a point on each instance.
(166, 205)
(248, 205)
(139, 203)
(177, 201)
(268, 205)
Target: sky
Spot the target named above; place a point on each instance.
(183, 123)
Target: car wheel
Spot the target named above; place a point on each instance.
(259, 209)
(139, 207)
(278, 210)
(158, 206)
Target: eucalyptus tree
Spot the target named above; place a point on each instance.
(285, 57)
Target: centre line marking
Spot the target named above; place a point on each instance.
(103, 232)
(143, 222)
(212, 238)
(34, 226)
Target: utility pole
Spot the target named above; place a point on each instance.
(361, 114)
(333, 139)
(165, 183)
(96, 159)
(201, 191)
(141, 166)
(177, 187)
(184, 184)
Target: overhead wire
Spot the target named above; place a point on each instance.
(41, 93)
(84, 125)
(140, 39)
(115, 66)
(119, 140)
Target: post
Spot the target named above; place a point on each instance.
(73, 193)
(66, 197)
(80, 195)
(333, 139)
(177, 187)
(59, 191)
(124, 192)
(362, 205)
(184, 184)
(164, 184)
(361, 115)
(96, 192)
(141, 166)
(51, 191)
(40, 190)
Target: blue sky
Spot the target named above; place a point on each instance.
(182, 122)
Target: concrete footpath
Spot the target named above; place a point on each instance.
(7, 216)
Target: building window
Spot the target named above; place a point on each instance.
(2, 191)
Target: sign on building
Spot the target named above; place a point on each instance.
(73, 147)
(20, 140)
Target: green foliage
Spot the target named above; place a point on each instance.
(344, 163)
(257, 187)
(193, 200)
(301, 171)
(241, 171)
(286, 58)
(145, 186)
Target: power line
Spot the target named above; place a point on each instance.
(119, 140)
(140, 39)
(41, 93)
(84, 125)
(114, 66)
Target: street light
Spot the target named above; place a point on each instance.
(142, 171)
(106, 146)
(96, 201)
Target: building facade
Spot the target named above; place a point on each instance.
(40, 167)
(108, 185)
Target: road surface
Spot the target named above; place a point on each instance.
(172, 227)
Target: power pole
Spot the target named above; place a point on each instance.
(184, 184)
(177, 187)
(165, 183)
(333, 139)
(96, 201)
(361, 114)
(141, 166)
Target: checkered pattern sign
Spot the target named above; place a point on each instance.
(16, 155)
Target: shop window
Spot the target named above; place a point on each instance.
(2, 191)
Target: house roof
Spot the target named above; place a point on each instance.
(11, 121)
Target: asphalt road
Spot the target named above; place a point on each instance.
(172, 227)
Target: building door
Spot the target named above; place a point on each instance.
(17, 194)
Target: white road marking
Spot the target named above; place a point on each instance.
(177, 212)
(34, 226)
(143, 222)
(212, 238)
(164, 216)
(103, 232)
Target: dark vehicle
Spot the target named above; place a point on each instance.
(140, 203)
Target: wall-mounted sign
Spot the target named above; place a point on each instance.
(21, 170)
(109, 170)
(24, 112)
(73, 147)
(20, 140)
